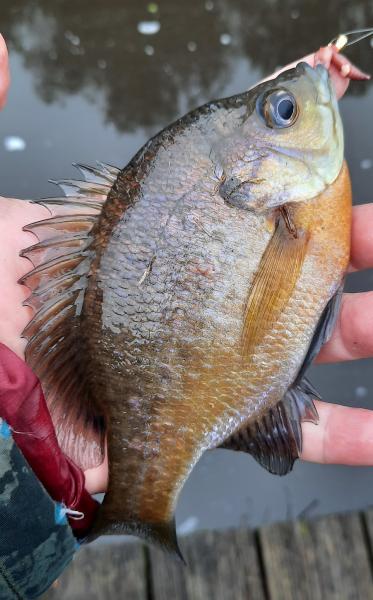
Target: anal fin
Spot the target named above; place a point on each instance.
(275, 440)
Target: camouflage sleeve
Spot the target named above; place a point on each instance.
(36, 542)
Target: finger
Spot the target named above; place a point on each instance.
(343, 436)
(345, 66)
(96, 478)
(4, 72)
(353, 335)
(340, 68)
(324, 56)
(362, 238)
(340, 82)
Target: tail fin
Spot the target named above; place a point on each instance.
(161, 534)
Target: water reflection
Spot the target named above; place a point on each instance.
(139, 71)
(286, 29)
(147, 63)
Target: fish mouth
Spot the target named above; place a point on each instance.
(326, 99)
(319, 77)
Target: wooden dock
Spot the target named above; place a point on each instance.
(328, 558)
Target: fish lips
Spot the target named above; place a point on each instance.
(319, 76)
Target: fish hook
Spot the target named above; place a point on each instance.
(348, 38)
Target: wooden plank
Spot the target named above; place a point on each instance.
(220, 566)
(315, 560)
(114, 571)
(367, 517)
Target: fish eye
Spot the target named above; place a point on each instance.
(279, 109)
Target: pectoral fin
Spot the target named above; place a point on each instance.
(274, 281)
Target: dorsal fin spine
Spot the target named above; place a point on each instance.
(62, 257)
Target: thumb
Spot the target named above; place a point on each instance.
(4, 72)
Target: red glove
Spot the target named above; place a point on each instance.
(23, 407)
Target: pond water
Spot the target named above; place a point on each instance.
(94, 80)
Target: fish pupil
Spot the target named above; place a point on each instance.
(285, 109)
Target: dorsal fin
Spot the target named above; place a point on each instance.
(61, 260)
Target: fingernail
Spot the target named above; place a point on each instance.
(3, 47)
